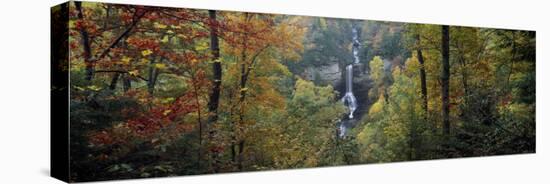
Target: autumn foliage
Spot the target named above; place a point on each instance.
(161, 91)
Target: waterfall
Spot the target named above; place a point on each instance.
(342, 130)
(349, 99)
(349, 79)
(356, 44)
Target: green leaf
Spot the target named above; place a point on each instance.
(113, 168)
(145, 174)
(94, 88)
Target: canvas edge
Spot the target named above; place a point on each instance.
(59, 92)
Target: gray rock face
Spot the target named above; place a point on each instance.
(387, 65)
(329, 74)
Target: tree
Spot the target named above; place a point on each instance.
(254, 40)
(85, 43)
(445, 78)
(83, 25)
(379, 77)
(422, 70)
(307, 129)
(216, 67)
(217, 76)
(393, 128)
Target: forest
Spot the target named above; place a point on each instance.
(157, 91)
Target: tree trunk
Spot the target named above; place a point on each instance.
(512, 60)
(464, 72)
(85, 39)
(151, 79)
(199, 120)
(216, 69)
(242, 88)
(424, 88)
(214, 97)
(413, 142)
(114, 81)
(126, 83)
(445, 78)
(241, 156)
(244, 78)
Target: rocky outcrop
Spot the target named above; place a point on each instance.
(323, 75)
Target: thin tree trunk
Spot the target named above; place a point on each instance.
(241, 157)
(236, 156)
(126, 83)
(199, 119)
(85, 39)
(423, 86)
(114, 81)
(245, 74)
(107, 16)
(242, 85)
(153, 75)
(464, 72)
(512, 59)
(424, 91)
(244, 78)
(445, 78)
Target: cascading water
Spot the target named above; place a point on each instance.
(356, 44)
(342, 129)
(349, 99)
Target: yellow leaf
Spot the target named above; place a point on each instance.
(160, 65)
(377, 106)
(182, 36)
(164, 39)
(159, 25)
(144, 61)
(126, 60)
(166, 112)
(202, 46)
(146, 52)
